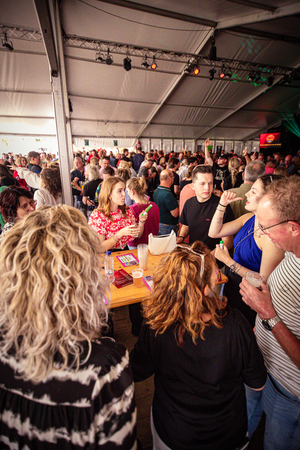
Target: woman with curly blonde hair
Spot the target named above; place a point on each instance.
(61, 384)
(201, 353)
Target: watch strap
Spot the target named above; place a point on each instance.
(269, 324)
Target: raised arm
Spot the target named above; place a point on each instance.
(217, 229)
(208, 158)
(246, 156)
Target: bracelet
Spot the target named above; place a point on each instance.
(236, 271)
(181, 238)
(232, 267)
(221, 210)
(142, 221)
(222, 205)
(115, 238)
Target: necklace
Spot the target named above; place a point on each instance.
(248, 235)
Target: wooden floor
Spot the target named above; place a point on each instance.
(144, 390)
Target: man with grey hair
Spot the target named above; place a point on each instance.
(254, 170)
(278, 320)
(167, 203)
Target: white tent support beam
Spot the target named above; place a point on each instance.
(289, 10)
(62, 115)
(161, 12)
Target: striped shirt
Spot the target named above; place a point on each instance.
(284, 285)
(92, 408)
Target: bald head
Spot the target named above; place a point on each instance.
(166, 178)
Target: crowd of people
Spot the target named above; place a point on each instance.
(219, 360)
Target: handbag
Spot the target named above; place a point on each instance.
(161, 244)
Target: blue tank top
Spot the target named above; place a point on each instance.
(247, 253)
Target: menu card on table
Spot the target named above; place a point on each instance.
(128, 260)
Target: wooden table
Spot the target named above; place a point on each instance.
(130, 294)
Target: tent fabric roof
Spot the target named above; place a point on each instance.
(109, 102)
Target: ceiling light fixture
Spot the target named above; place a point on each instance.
(212, 74)
(270, 80)
(108, 59)
(7, 44)
(196, 70)
(99, 57)
(145, 63)
(127, 63)
(153, 65)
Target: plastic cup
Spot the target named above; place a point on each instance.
(142, 250)
(254, 278)
(137, 275)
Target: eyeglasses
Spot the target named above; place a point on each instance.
(264, 229)
(201, 254)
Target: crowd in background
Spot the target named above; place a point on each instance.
(64, 385)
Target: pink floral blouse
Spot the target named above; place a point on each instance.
(103, 225)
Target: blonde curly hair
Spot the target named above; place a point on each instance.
(51, 298)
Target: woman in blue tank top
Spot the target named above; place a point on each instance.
(252, 250)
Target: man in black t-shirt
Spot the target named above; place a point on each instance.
(198, 211)
(173, 164)
(220, 168)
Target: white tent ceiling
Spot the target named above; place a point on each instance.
(111, 103)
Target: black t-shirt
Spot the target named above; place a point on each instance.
(90, 188)
(184, 183)
(228, 181)
(176, 183)
(220, 173)
(77, 174)
(199, 400)
(197, 216)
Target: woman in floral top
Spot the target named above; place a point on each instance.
(113, 220)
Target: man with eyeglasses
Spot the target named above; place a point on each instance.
(278, 320)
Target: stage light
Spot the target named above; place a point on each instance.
(127, 63)
(108, 59)
(222, 73)
(188, 69)
(7, 44)
(99, 57)
(212, 74)
(145, 63)
(196, 70)
(153, 65)
(252, 76)
(286, 80)
(270, 80)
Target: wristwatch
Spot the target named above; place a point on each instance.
(269, 324)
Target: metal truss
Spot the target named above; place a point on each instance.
(240, 69)
(22, 33)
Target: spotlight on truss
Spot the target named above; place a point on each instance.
(153, 65)
(108, 59)
(225, 72)
(99, 57)
(127, 63)
(212, 74)
(196, 70)
(270, 80)
(145, 63)
(7, 44)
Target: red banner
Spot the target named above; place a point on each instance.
(269, 140)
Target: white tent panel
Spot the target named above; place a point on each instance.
(98, 109)
(182, 115)
(231, 133)
(28, 126)
(24, 72)
(25, 104)
(97, 129)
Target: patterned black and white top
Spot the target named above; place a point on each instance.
(285, 293)
(89, 409)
